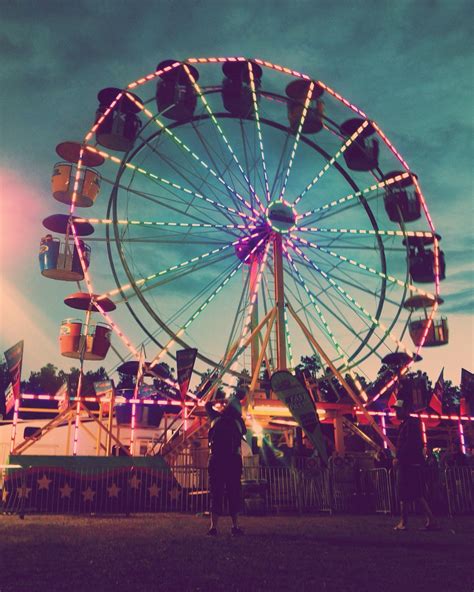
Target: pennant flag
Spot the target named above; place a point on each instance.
(104, 389)
(436, 402)
(63, 391)
(185, 359)
(146, 391)
(140, 373)
(293, 394)
(467, 392)
(9, 398)
(14, 358)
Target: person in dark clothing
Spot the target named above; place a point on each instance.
(225, 461)
(409, 466)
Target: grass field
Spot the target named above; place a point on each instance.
(170, 552)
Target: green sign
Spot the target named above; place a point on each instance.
(294, 395)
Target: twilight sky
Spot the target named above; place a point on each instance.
(408, 65)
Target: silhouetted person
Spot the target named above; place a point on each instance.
(225, 461)
(409, 465)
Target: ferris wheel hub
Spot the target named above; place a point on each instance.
(281, 216)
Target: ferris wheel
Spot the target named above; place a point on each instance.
(247, 210)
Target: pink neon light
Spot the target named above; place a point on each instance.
(384, 429)
(14, 423)
(342, 99)
(423, 434)
(390, 145)
(76, 428)
(153, 75)
(462, 440)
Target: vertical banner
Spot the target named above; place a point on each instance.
(14, 358)
(63, 391)
(293, 394)
(104, 389)
(185, 359)
(467, 392)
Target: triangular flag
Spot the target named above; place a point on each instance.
(436, 401)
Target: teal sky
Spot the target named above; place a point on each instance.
(408, 65)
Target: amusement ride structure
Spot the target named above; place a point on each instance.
(253, 213)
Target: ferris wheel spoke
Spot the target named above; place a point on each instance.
(352, 300)
(188, 150)
(219, 129)
(208, 300)
(353, 196)
(160, 180)
(327, 329)
(367, 232)
(186, 174)
(326, 167)
(260, 137)
(279, 169)
(297, 138)
(224, 168)
(164, 202)
(332, 310)
(366, 268)
(177, 267)
(175, 277)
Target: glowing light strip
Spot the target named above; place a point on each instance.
(170, 224)
(153, 75)
(342, 99)
(364, 267)
(355, 195)
(297, 138)
(138, 381)
(170, 183)
(342, 149)
(423, 434)
(356, 231)
(118, 399)
(176, 267)
(14, 423)
(259, 132)
(97, 305)
(363, 310)
(390, 145)
(182, 145)
(76, 428)
(288, 338)
(216, 123)
(253, 299)
(281, 69)
(121, 399)
(462, 440)
(215, 60)
(315, 304)
(202, 307)
(384, 429)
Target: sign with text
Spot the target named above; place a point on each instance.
(14, 358)
(294, 395)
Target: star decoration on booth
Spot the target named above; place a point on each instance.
(135, 482)
(175, 493)
(114, 490)
(154, 490)
(44, 482)
(23, 492)
(88, 494)
(66, 490)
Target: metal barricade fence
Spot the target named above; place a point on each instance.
(185, 488)
(459, 483)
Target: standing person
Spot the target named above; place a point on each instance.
(409, 466)
(225, 461)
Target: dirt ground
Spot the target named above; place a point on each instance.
(170, 552)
